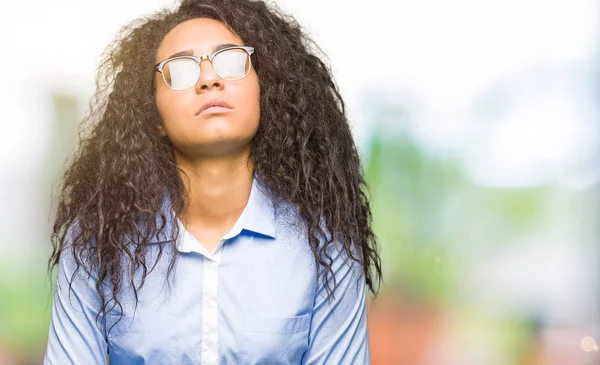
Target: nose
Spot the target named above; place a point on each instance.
(208, 77)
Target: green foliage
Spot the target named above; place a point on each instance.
(25, 306)
(428, 216)
(410, 193)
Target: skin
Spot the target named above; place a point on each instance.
(213, 150)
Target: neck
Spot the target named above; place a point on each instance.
(218, 189)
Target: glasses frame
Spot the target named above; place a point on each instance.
(248, 49)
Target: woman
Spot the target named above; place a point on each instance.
(216, 213)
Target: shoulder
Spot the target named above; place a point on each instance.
(291, 227)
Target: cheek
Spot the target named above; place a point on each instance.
(164, 105)
(168, 106)
(252, 99)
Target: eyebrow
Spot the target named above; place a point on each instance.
(189, 52)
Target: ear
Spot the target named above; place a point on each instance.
(161, 130)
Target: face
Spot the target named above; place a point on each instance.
(216, 131)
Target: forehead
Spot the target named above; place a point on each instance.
(199, 35)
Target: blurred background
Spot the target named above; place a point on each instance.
(479, 126)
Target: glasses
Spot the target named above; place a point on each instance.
(183, 72)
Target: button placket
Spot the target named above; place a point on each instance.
(210, 335)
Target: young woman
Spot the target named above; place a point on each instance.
(216, 213)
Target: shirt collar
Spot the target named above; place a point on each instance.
(258, 216)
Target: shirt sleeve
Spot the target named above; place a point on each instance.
(73, 336)
(338, 330)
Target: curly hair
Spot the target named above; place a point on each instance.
(303, 151)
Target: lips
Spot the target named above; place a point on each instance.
(213, 103)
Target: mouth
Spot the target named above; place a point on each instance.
(213, 106)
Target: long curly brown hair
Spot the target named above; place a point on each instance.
(303, 151)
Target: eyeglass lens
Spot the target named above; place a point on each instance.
(183, 73)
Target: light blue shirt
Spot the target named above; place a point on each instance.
(254, 300)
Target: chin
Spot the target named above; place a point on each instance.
(218, 146)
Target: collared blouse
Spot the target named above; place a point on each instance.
(255, 299)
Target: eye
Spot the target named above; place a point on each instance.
(232, 64)
(181, 73)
